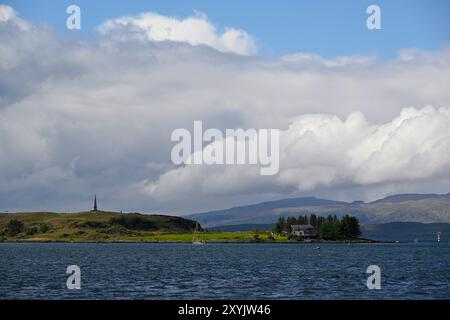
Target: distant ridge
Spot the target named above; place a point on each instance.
(410, 197)
(287, 203)
(424, 208)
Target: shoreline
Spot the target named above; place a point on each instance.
(207, 242)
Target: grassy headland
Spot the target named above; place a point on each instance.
(101, 226)
(98, 226)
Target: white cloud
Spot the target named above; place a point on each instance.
(325, 151)
(341, 61)
(95, 116)
(8, 15)
(195, 30)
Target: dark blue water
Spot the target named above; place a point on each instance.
(224, 271)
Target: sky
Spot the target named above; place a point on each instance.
(327, 28)
(362, 113)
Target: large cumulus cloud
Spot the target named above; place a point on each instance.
(323, 150)
(79, 117)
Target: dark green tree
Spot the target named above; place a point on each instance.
(356, 230)
(289, 222)
(31, 231)
(279, 226)
(14, 227)
(349, 227)
(336, 219)
(330, 219)
(320, 221)
(44, 228)
(313, 220)
(328, 231)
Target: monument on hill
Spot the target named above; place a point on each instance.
(95, 203)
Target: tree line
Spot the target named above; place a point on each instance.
(328, 228)
(15, 227)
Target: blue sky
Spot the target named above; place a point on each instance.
(327, 28)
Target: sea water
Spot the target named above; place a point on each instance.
(224, 271)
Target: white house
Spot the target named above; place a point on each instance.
(303, 231)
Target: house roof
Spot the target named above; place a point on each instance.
(301, 227)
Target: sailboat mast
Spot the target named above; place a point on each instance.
(195, 230)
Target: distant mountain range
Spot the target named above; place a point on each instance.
(424, 208)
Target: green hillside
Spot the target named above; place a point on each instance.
(89, 226)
